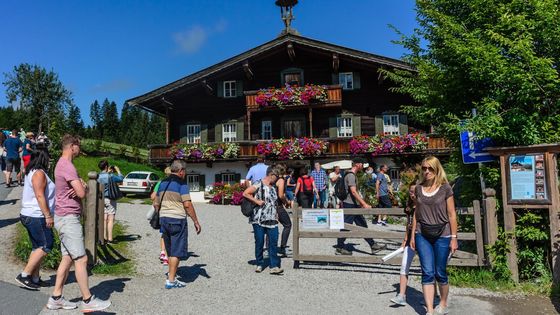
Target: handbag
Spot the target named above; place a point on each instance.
(248, 207)
(432, 231)
(154, 221)
(113, 190)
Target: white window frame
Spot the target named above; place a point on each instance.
(228, 178)
(230, 89)
(193, 133)
(391, 124)
(229, 132)
(344, 127)
(193, 180)
(347, 80)
(266, 130)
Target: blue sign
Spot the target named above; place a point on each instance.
(472, 148)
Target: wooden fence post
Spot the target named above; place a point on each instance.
(90, 218)
(100, 214)
(490, 219)
(478, 232)
(295, 234)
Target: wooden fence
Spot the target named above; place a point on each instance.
(93, 217)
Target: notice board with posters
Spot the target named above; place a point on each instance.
(527, 180)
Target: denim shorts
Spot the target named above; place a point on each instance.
(71, 235)
(175, 236)
(39, 234)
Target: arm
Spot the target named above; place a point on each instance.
(357, 197)
(39, 183)
(249, 193)
(377, 187)
(315, 188)
(79, 187)
(297, 188)
(281, 193)
(412, 240)
(453, 223)
(189, 209)
(28, 147)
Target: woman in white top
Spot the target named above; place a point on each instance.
(36, 216)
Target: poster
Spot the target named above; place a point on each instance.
(315, 219)
(336, 219)
(527, 177)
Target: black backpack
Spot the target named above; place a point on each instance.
(340, 190)
(248, 207)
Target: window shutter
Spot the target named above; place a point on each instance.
(218, 133)
(340, 78)
(220, 89)
(237, 178)
(183, 134)
(239, 128)
(335, 78)
(357, 83)
(379, 124)
(403, 124)
(239, 88)
(202, 182)
(333, 128)
(218, 178)
(203, 133)
(356, 125)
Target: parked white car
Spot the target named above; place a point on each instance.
(139, 183)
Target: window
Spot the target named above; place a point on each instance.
(293, 128)
(293, 78)
(230, 89)
(391, 124)
(344, 126)
(193, 133)
(395, 175)
(347, 80)
(229, 132)
(266, 133)
(193, 180)
(153, 177)
(229, 178)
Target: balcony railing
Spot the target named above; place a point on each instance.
(337, 148)
(334, 99)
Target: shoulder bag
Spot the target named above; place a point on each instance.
(154, 221)
(248, 207)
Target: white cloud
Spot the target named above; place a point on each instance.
(192, 39)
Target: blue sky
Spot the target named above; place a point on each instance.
(121, 49)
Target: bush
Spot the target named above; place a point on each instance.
(221, 192)
(23, 248)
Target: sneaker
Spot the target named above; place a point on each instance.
(175, 284)
(43, 284)
(162, 256)
(376, 248)
(95, 304)
(440, 310)
(259, 269)
(399, 300)
(384, 223)
(276, 271)
(282, 252)
(342, 251)
(26, 282)
(60, 304)
(165, 261)
(379, 223)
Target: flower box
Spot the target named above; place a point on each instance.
(291, 96)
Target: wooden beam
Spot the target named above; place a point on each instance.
(291, 51)
(209, 89)
(335, 62)
(478, 232)
(310, 122)
(249, 124)
(90, 219)
(248, 71)
(552, 175)
(509, 222)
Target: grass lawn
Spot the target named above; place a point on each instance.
(85, 164)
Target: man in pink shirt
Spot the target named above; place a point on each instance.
(70, 189)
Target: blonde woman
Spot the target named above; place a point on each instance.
(435, 227)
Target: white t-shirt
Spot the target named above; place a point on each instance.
(29, 205)
(333, 177)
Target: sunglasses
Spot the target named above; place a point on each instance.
(429, 168)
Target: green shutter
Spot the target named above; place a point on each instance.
(218, 178)
(237, 177)
(239, 88)
(356, 125)
(357, 83)
(202, 182)
(220, 89)
(403, 124)
(203, 133)
(183, 134)
(240, 129)
(335, 78)
(379, 124)
(218, 133)
(333, 128)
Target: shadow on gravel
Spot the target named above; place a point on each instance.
(189, 274)
(104, 289)
(6, 222)
(379, 269)
(8, 202)
(414, 298)
(127, 238)
(108, 255)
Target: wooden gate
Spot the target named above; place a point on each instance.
(460, 258)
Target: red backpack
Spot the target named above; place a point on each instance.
(307, 185)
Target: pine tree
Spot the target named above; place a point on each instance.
(74, 122)
(95, 116)
(110, 124)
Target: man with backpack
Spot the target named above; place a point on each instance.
(347, 191)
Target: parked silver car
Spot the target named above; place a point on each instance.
(138, 182)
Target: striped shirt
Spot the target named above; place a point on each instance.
(320, 178)
(176, 192)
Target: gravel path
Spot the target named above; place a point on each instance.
(221, 277)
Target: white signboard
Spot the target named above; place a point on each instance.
(336, 219)
(315, 219)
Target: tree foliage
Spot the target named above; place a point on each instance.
(499, 57)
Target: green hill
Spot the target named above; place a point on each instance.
(85, 164)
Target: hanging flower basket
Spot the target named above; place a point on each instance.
(292, 149)
(376, 145)
(291, 96)
(203, 151)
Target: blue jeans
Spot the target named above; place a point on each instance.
(433, 258)
(40, 235)
(322, 199)
(272, 234)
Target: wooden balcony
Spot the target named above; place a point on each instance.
(334, 94)
(338, 148)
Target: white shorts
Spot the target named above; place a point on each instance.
(71, 235)
(110, 206)
(408, 256)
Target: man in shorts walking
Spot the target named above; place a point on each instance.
(13, 147)
(70, 189)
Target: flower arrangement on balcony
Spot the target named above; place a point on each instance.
(291, 95)
(295, 148)
(412, 142)
(203, 151)
(225, 193)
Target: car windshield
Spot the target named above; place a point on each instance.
(136, 176)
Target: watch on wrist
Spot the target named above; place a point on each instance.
(453, 236)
